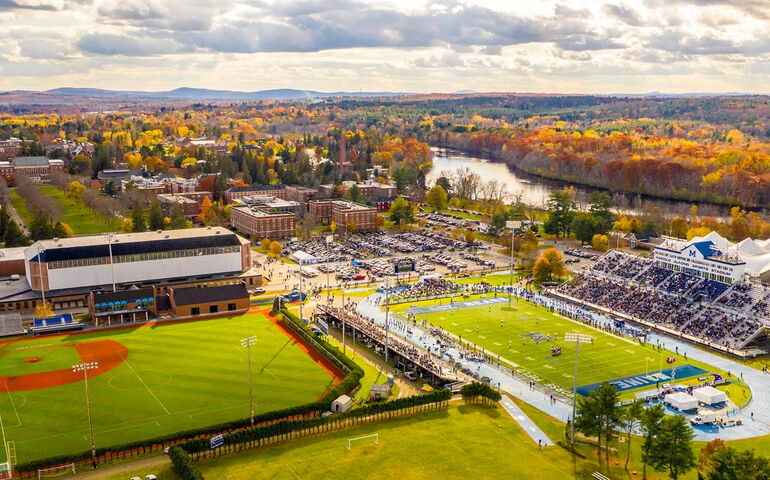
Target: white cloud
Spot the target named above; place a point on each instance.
(403, 45)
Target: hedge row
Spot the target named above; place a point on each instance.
(287, 427)
(350, 382)
(183, 464)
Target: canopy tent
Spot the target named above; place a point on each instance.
(303, 257)
(681, 401)
(709, 395)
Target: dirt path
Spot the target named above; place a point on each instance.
(138, 468)
(15, 215)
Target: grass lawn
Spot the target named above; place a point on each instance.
(468, 441)
(79, 218)
(173, 377)
(608, 358)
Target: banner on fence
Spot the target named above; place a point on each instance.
(217, 441)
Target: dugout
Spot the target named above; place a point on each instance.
(195, 301)
(134, 304)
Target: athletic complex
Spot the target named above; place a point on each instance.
(179, 358)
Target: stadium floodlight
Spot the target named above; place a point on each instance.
(578, 338)
(248, 342)
(85, 367)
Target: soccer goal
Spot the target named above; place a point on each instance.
(56, 471)
(374, 438)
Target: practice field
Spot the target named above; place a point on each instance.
(79, 218)
(470, 441)
(152, 380)
(524, 336)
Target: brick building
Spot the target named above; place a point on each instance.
(234, 193)
(343, 212)
(190, 202)
(38, 169)
(259, 223)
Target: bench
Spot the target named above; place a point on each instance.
(600, 476)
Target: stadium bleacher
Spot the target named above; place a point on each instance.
(10, 324)
(56, 324)
(718, 313)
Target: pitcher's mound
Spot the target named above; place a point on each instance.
(33, 359)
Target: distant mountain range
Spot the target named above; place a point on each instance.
(203, 94)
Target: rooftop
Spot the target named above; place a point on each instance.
(195, 295)
(30, 161)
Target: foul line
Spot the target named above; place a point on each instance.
(145, 385)
(7, 389)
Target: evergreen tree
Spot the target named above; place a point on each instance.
(561, 211)
(672, 450)
(600, 205)
(178, 221)
(650, 426)
(41, 227)
(157, 219)
(137, 219)
(13, 236)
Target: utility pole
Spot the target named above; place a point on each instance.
(85, 367)
(248, 342)
(578, 338)
(300, 292)
(387, 315)
(510, 294)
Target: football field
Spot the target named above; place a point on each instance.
(152, 380)
(524, 335)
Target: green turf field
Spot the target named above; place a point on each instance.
(82, 220)
(468, 441)
(176, 377)
(608, 358)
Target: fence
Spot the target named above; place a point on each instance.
(292, 430)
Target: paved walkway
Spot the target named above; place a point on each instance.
(526, 424)
(758, 382)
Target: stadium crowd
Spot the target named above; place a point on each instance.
(719, 313)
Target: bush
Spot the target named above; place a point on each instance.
(472, 391)
(183, 464)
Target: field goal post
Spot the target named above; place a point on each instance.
(373, 438)
(56, 471)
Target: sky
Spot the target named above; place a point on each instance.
(562, 46)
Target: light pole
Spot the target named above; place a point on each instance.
(85, 367)
(300, 292)
(578, 338)
(510, 294)
(387, 315)
(40, 276)
(112, 264)
(248, 342)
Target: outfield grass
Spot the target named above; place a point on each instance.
(608, 358)
(82, 220)
(175, 377)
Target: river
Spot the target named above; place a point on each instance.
(534, 190)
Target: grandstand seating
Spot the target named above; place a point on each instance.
(725, 315)
(10, 324)
(55, 324)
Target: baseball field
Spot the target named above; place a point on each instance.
(150, 380)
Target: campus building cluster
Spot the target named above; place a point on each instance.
(122, 274)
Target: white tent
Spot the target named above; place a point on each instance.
(681, 401)
(303, 258)
(342, 404)
(709, 395)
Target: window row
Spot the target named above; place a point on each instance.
(143, 257)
